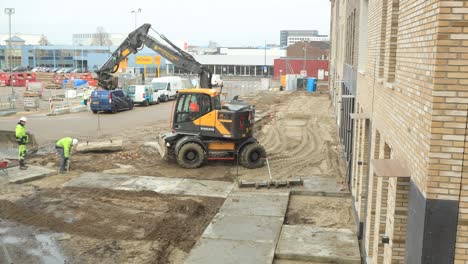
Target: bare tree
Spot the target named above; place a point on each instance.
(44, 41)
(101, 38)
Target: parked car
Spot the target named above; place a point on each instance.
(110, 101)
(20, 69)
(61, 70)
(77, 70)
(142, 95)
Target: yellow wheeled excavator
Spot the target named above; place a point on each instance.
(202, 127)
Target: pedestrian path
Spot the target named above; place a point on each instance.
(245, 230)
(156, 184)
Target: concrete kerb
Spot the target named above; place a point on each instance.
(67, 110)
(8, 112)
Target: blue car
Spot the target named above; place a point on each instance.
(110, 101)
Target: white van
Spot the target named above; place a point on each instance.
(142, 94)
(166, 88)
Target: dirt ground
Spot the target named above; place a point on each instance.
(104, 226)
(320, 211)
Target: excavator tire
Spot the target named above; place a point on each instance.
(253, 156)
(191, 156)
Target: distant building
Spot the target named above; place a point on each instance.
(289, 37)
(314, 50)
(234, 61)
(29, 39)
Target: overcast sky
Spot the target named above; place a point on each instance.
(229, 23)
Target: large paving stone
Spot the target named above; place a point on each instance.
(318, 244)
(105, 145)
(98, 180)
(204, 188)
(261, 229)
(155, 184)
(318, 185)
(15, 175)
(260, 204)
(217, 251)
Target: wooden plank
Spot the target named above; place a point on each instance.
(390, 168)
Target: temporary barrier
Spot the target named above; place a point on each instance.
(4, 79)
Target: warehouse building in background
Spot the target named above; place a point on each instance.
(398, 79)
(289, 37)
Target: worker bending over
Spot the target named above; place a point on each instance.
(21, 139)
(63, 147)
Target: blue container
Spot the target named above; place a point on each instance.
(311, 85)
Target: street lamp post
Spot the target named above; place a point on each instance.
(136, 13)
(9, 12)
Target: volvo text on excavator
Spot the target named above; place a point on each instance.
(202, 128)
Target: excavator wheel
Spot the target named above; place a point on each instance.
(253, 156)
(191, 156)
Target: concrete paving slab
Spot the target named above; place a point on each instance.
(204, 188)
(261, 229)
(105, 145)
(15, 175)
(97, 180)
(260, 204)
(301, 242)
(155, 184)
(216, 251)
(317, 185)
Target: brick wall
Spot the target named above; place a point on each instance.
(314, 50)
(415, 89)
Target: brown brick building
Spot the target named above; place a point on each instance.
(313, 50)
(399, 84)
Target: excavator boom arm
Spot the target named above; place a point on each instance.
(134, 42)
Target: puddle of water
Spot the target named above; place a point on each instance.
(11, 240)
(50, 252)
(30, 245)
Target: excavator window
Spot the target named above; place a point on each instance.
(188, 108)
(205, 104)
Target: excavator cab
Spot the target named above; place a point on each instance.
(199, 111)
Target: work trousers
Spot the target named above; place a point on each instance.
(63, 160)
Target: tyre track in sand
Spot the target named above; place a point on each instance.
(299, 140)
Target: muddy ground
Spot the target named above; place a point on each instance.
(105, 226)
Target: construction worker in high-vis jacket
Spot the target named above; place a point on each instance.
(63, 147)
(21, 139)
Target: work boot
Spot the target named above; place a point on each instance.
(22, 165)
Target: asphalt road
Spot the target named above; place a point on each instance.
(85, 124)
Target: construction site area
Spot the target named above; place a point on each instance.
(128, 205)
